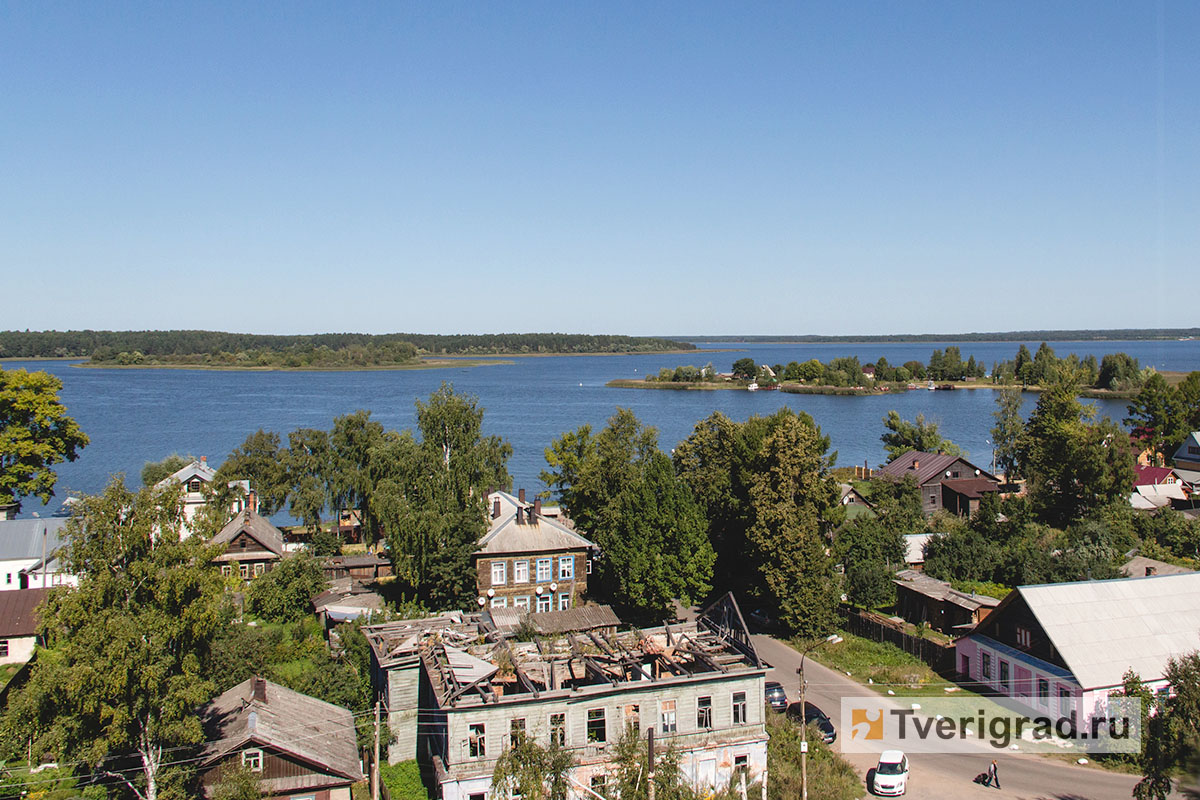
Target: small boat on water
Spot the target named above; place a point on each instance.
(753, 387)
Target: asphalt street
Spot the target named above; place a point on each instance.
(947, 776)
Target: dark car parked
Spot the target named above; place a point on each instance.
(776, 697)
(815, 716)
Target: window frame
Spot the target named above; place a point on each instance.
(566, 568)
(521, 568)
(548, 563)
(985, 666)
(704, 715)
(548, 603)
(597, 726)
(1043, 691)
(558, 729)
(499, 573)
(668, 717)
(1024, 637)
(259, 569)
(521, 602)
(499, 602)
(564, 601)
(516, 729)
(252, 759)
(477, 740)
(739, 708)
(633, 717)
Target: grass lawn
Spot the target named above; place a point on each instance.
(882, 666)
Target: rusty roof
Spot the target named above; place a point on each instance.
(18, 612)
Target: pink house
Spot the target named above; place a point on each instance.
(1062, 648)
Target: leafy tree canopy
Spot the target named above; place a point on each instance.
(122, 671)
(903, 436)
(283, 594)
(35, 434)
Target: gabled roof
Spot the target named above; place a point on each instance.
(258, 527)
(1193, 440)
(1103, 628)
(927, 467)
(934, 589)
(534, 533)
(1151, 476)
(257, 712)
(18, 612)
(22, 538)
(1136, 568)
(196, 469)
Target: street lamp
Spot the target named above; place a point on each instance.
(831, 639)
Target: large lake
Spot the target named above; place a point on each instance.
(139, 415)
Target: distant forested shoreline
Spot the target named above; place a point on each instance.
(323, 350)
(1113, 335)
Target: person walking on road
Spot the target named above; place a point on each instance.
(994, 774)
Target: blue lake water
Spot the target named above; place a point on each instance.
(134, 415)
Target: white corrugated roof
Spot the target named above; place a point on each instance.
(1104, 628)
(914, 546)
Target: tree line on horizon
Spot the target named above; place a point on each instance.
(185, 346)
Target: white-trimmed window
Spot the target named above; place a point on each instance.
(521, 602)
(227, 570)
(499, 602)
(244, 571)
(252, 760)
(566, 568)
(543, 570)
(564, 602)
(498, 573)
(543, 603)
(558, 729)
(739, 708)
(589, 566)
(520, 572)
(704, 712)
(259, 569)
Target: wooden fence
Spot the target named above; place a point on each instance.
(878, 628)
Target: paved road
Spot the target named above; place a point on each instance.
(937, 776)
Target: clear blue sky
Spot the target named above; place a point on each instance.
(646, 168)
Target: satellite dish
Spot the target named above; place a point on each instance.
(491, 592)
(480, 600)
(554, 587)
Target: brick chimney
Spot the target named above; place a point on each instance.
(252, 501)
(521, 495)
(537, 509)
(259, 689)
(496, 508)
(204, 460)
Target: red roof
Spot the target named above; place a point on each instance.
(1152, 476)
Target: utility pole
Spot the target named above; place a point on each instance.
(650, 765)
(375, 761)
(833, 639)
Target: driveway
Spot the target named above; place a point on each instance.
(937, 776)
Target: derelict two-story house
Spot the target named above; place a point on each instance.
(528, 559)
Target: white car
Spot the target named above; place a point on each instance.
(891, 775)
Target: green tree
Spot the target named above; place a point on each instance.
(657, 548)
(238, 782)
(1007, 432)
(871, 551)
(623, 492)
(1157, 417)
(283, 594)
(898, 503)
(960, 555)
(918, 435)
(348, 484)
(630, 767)
(1072, 464)
(35, 434)
(262, 460)
(793, 494)
(528, 770)
(430, 495)
(121, 674)
(308, 464)
(745, 368)
(155, 471)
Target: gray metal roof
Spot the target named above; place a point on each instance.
(1103, 628)
(539, 535)
(315, 731)
(22, 538)
(259, 528)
